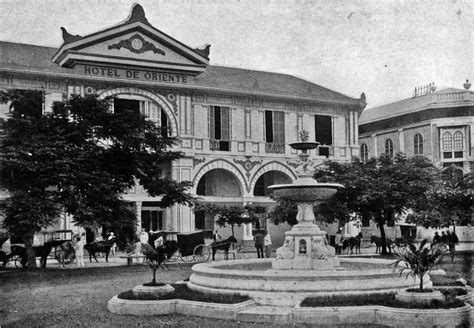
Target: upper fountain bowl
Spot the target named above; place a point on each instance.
(304, 145)
(305, 190)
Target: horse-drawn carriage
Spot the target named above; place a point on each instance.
(191, 247)
(57, 244)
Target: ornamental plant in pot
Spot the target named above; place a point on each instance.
(416, 262)
(155, 259)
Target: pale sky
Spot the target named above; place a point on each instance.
(382, 48)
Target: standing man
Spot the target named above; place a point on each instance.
(338, 241)
(452, 241)
(79, 249)
(144, 236)
(259, 241)
(267, 242)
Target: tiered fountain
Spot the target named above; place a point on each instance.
(305, 265)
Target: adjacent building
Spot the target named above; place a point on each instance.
(234, 124)
(438, 124)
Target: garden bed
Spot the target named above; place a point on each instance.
(184, 293)
(385, 299)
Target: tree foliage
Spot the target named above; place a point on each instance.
(80, 159)
(379, 188)
(449, 201)
(232, 215)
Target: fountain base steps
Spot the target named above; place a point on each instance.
(265, 313)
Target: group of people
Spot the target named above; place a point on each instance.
(263, 243)
(446, 238)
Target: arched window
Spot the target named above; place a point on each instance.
(458, 141)
(418, 144)
(447, 141)
(364, 152)
(389, 147)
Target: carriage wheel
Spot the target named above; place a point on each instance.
(69, 257)
(17, 261)
(202, 253)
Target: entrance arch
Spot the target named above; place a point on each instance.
(282, 170)
(160, 100)
(225, 166)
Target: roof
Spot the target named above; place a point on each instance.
(37, 59)
(446, 97)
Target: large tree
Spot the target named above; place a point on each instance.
(380, 188)
(449, 201)
(79, 159)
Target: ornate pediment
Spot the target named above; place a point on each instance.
(134, 43)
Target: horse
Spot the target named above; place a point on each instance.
(103, 246)
(222, 245)
(352, 242)
(378, 243)
(40, 251)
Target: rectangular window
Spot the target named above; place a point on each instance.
(152, 220)
(323, 126)
(274, 131)
(122, 105)
(219, 128)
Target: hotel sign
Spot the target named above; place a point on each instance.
(134, 74)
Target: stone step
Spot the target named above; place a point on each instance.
(265, 313)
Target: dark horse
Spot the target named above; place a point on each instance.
(40, 251)
(100, 247)
(378, 243)
(352, 242)
(222, 245)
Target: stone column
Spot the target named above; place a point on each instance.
(138, 210)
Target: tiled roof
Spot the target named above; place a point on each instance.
(38, 58)
(406, 106)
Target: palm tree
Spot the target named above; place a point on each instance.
(418, 261)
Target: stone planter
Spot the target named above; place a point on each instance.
(153, 290)
(406, 296)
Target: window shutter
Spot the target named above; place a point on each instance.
(211, 122)
(225, 120)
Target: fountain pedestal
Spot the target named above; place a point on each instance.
(306, 246)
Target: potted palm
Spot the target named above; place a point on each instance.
(416, 262)
(155, 259)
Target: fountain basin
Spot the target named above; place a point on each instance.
(267, 286)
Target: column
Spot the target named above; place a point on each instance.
(401, 140)
(138, 209)
(374, 141)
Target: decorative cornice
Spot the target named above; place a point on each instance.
(198, 161)
(136, 44)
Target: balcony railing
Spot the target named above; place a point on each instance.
(275, 148)
(221, 145)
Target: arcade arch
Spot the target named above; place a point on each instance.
(270, 173)
(219, 178)
(159, 100)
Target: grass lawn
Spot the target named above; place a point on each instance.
(78, 297)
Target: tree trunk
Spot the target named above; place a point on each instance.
(232, 227)
(421, 282)
(30, 253)
(153, 281)
(383, 240)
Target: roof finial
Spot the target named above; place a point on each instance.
(467, 85)
(137, 14)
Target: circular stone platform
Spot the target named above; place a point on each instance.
(256, 279)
